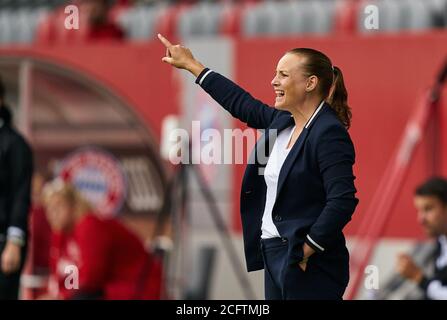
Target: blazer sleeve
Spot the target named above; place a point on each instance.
(238, 102)
(336, 156)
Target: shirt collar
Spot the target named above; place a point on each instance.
(314, 114)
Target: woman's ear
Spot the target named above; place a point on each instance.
(311, 83)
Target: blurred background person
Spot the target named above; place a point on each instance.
(100, 27)
(112, 262)
(37, 267)
(16, 167)
(431, 204)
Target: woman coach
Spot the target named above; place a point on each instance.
(292, 214)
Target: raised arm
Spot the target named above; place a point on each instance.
(229, 95)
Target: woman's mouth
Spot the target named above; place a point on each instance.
(279, 94)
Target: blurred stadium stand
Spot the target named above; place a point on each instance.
(409, 15)
(19, 19)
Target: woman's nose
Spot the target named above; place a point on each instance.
(274, 81)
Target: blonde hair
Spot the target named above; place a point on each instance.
(67, 191)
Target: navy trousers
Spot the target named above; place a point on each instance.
(284, 281)
(10, 283)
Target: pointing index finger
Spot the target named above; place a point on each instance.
(164, 41)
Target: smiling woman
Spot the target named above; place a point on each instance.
(302, 64)
(294, 213)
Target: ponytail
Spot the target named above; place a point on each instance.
(338, 98)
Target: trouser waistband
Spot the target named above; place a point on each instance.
(273, 242)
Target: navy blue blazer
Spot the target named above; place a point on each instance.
(316, 193)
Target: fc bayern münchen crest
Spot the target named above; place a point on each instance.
(99, 178)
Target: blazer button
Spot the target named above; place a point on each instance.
(278, 218)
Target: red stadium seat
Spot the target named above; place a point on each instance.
(346, 15)
(231, 18)
(167, 23)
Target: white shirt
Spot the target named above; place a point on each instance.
(271, 174)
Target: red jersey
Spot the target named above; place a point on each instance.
(40, 239)
(109, 259)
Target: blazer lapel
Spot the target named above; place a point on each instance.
(293, 154)
(265, 143)
(290, 159)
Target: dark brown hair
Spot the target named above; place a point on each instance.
(436, 187)
(329, 76)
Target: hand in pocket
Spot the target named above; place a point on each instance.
(303, 265)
